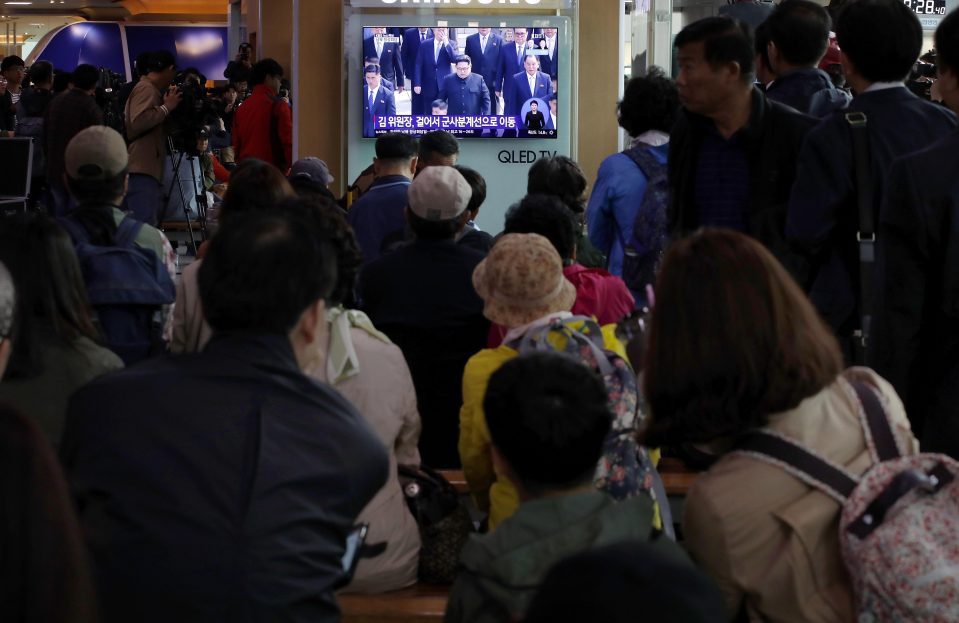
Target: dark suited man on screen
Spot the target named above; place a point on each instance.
(412, 39)
(549, 62)
(510, 63)
(377, 100)
(484, 49)
(530, 82)
(388, 57)
(465, 92)
(432, 65)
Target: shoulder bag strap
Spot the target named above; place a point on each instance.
(880, 437)
(811, 468)
(127, 232)
(866, 236)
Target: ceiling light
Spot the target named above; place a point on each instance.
(18, 3)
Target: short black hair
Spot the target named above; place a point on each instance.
(371, 69)
(85, 77)
(262, 69)
(262, 270)
(947, 42)
(882, 38)
(725, 40)
(97, 191)
(441, 104)
(547, 216)
(477, 186)
(396, 146)
(434, 230)
(761, 41)
(462, 58)
(800, 30)
(41, 72)
(142, 63)
(11, 61)
(559, 176)
(547, 415)
(650, 102)
(440, 142)
(160, 60)
(330, 223)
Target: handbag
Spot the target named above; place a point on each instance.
(444, 523)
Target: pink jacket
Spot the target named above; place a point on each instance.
(598, 294)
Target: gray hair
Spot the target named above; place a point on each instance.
(8, 300)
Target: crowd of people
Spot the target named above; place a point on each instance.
(233, 439)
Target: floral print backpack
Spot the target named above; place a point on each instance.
(625, 468)
(899, 527)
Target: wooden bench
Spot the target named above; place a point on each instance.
(426, 603)
(420, 603)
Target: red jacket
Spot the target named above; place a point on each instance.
(598, 294)
(253, 134)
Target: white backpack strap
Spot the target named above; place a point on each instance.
(804, 464)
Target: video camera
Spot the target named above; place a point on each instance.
(108, 90)
(196, 116)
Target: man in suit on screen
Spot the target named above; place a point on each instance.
(465, 92)
(377, 100)
(484, 49)
(433, 63)
(529, 83)
(413, 38)
(388, 58)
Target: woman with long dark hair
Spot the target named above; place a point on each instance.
(55, 348)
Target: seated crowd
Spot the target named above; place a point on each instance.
(255, 435)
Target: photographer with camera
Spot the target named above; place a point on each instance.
(146, 110)
(239, 70)
(263, 124)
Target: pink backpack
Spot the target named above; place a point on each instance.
(899, 528)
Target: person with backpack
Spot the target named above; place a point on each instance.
(626, 216)
(30, 111)
(523, 288)
(749, 354)
(548, 419)
(128, 266)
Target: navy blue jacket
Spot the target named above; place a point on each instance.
(218, 486)
(384, 104)
(485, 64)
(772, 139)
(521, 92)
(915, 338)
(411, 47)
(809, 91)
(823, 215)
(465, 97)
(391, 65)
(422, 297)
(378, 213)
(429, 72)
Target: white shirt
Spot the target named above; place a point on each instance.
(436, 50)
(882, 86)
(532, 84)
(550, 42)
(483, 43)
(378, 43)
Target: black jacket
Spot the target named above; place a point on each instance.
(823, 214)
(915, 338)
(809, 91)
(772, 137)
(218, 486)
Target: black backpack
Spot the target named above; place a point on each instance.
(643, 252)
(126, 286)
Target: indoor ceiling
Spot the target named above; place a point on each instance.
(184, 10)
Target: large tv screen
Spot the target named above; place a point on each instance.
(472, 82)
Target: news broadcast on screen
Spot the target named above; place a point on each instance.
(480, 82)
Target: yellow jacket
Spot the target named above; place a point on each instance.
(492, 493)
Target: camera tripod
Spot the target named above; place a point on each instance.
(201, 203)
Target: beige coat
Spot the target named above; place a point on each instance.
(770, 541)
(144, 126)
